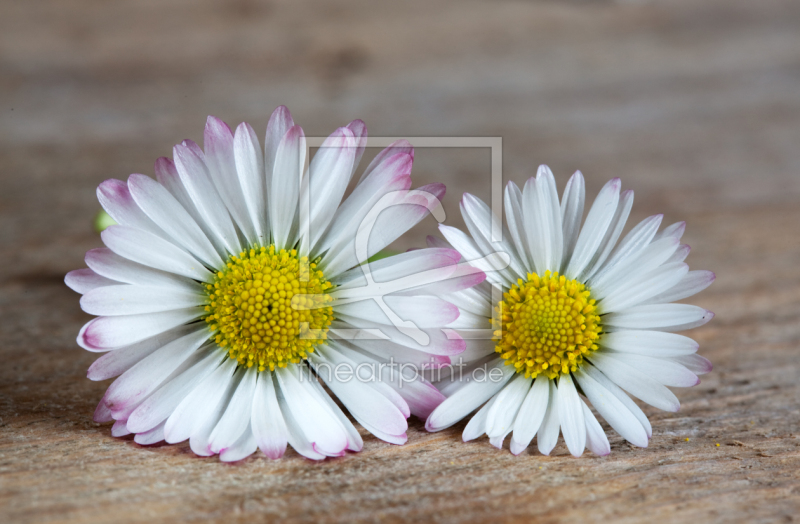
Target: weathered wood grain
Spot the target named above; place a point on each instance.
(695, 104)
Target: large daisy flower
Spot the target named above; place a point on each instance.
(239, 271)
(575, 315)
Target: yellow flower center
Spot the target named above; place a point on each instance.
(546, 325)
(251, 309)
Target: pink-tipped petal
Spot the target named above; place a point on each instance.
(102, 413)
(85, 280)
(113, 332)
(284, 189)
(279, 123)
(359, 129)
(119, 429)
(116, 199)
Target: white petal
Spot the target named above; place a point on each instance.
(102, 413)
(119, 429)
(432, 271)
(507, 403)
(633, 244)
(133, 300)
(570, 414)
(548, 220)
(675, 230)
(420, 396)
(403, 265)
(359, 129)
(638, 384)
(250, 169)
(167, 175)
(385, 222)
(633, 268)
(477, 424)
(385, 382)
(318, 424)
(548, 433)
(594, 229)
(472, 254)
(467, 320)
(115, 332)
(392, 173)
(160, 205)
(649, 343)
(572, 203)
(666, 317)
(623, 397)
(241, 449)
(269, 427)
(354, 441)
(471, 301)
(116, 199)
(680, 254)
(297, 438)
(200, 439)
(236, 418)
(387, 351)
(192, 411)
(434, 341)
(694, 363)
(397, 440)
(463, 278)
(612, 233)
(150, 250)
(612, 409)
(498, 440)
(531, 414)
(279, 124)
(85, 280)
(662, 370)
(692, 283)
(287, 174)
(124, 411)
(424, 311)
(143, 378)
(200, 188)
(329, 174)
(397, 147)
(532, 228)
(478, 218)
(468, 398)
(107, 263)
(153, 436)
(639, 289)
(365, 404)
(221, 164)
(161, 404)
(120, 360)
(516, 225)
(596, 439)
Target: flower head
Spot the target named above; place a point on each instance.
(240, 270)
(574, 315)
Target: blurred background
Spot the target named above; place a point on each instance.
(694, 103)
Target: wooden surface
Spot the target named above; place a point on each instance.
(696, 105)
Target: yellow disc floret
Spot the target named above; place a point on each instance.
(269, 307)
(546, 325)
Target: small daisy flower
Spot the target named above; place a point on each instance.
(228, 280)
(577, 316)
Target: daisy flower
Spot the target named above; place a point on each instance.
(576, 315)
(239, 271)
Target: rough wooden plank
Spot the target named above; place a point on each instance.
(694, 104)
